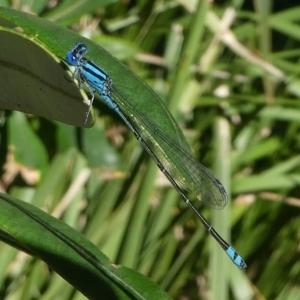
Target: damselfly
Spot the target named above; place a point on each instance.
(187, 175)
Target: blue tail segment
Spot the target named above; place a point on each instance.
(236, 258)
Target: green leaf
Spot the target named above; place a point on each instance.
(70, 254)
(33, 81)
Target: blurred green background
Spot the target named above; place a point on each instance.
(228, 71)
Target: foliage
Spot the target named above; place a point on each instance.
(229, 74)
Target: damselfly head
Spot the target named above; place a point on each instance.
(75, 55)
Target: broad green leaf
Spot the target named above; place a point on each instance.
(33, 81)
(70, 254)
